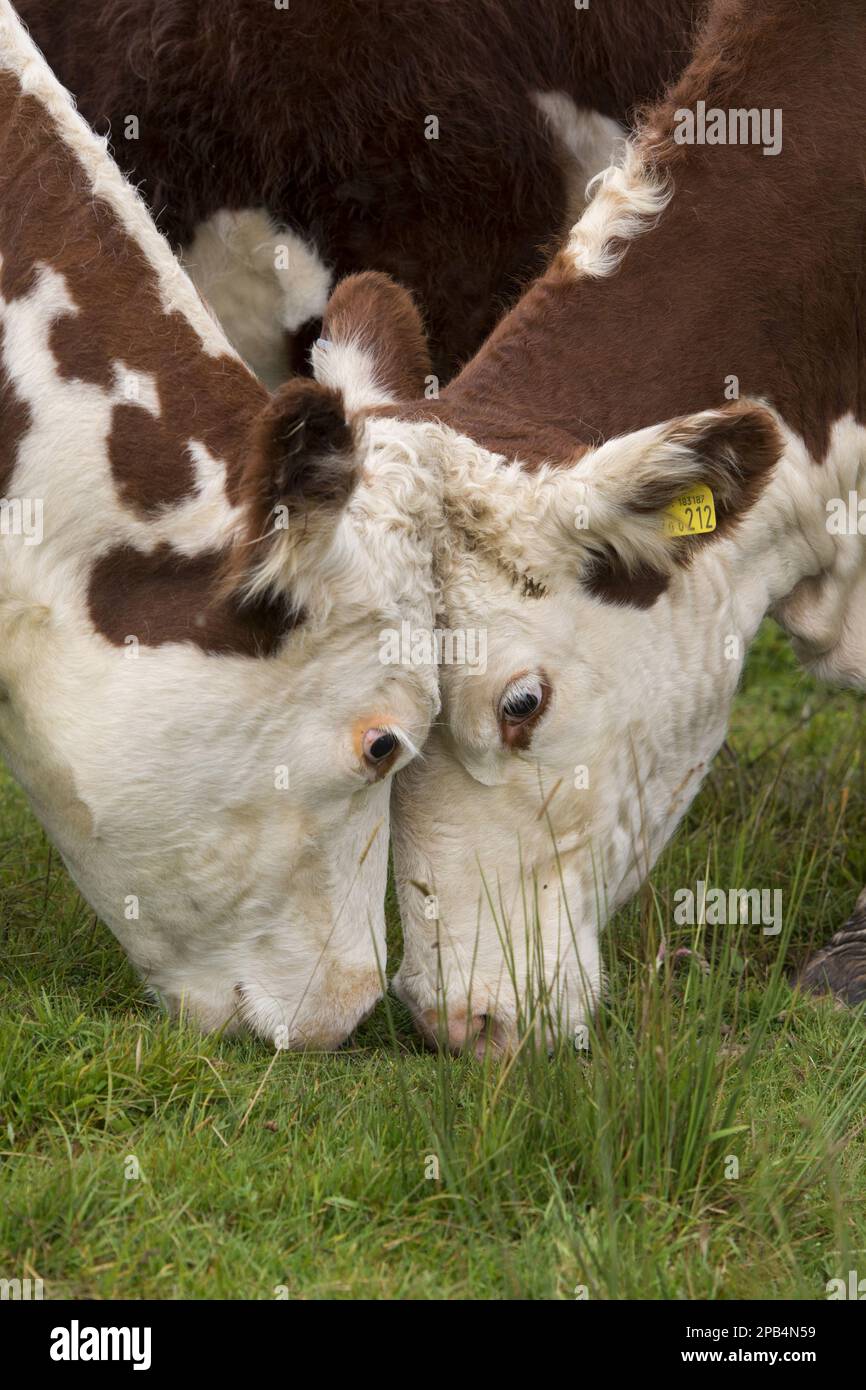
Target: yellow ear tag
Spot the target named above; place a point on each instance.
(693, 514)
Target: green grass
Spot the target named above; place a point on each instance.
(610, 1172)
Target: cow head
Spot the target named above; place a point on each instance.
(587, 660)
(194, 696)
(191, 684)
(563, 764)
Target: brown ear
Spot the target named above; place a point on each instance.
(379, 318)
(733, 451)
(303, 454)
(299, 477)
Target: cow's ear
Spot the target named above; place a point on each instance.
(304, 454)
(622, 493)
(301, 472)
(373, 347)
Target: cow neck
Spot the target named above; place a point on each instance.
(100, 327)
(750, 282)
(52, 217)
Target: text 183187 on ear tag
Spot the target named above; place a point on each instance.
(692, 514)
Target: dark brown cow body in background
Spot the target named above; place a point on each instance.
(317, 113)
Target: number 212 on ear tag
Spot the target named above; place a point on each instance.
(692, 514)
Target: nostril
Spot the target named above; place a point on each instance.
(463, 1029)
(476, 1033)
(484, 1039)
(497, 1038)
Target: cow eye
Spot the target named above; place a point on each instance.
(523, 701)
(380, 748)
(521, 705)
(523, 698)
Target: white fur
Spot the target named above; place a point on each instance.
(586, 140)
(625, 200)
(236, 259)
(350, 367)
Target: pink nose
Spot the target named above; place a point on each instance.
(464, 1032)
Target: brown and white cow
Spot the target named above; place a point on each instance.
(700, 272)
(194, 577)
(283, 146)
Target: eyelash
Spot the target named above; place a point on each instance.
(516, 731)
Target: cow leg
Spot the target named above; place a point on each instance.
(839, 968)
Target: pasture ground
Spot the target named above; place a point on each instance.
(614, 1171)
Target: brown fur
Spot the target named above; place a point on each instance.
(735, 457)
(755, 269)
(120, 318)
(151, 467)
(302, 458)
(302, 455)
(733, 454)
(49, 216)
(382, 317)
(14, 423)
(167, 597)
(317, 113)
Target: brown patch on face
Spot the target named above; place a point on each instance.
(608, 578)
(382, 318)
(167, 597)
(15, 421)
(517, 735)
